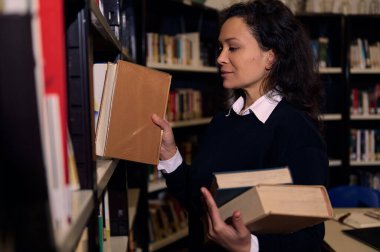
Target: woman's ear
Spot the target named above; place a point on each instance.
(270, 58)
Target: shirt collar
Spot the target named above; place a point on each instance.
(262, 107)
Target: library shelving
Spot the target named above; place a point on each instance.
(363, 79)
(89, 40)
(163, 38)
(30, 131)
(351, 76)
(327, 34)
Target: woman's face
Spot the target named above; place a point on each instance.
(242, 63)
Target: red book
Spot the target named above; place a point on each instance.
(54, 62)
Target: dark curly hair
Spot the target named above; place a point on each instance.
(294, 72)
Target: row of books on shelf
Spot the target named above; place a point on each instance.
(166, 217)
(365, 145)
(364, 54)
(365, 101)
(180, 49)
(188, 147)
(342, 7)
(320, 51)
(184, 104)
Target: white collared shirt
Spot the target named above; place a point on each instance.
(262, 108)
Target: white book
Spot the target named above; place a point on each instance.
(359, 220)
(99, 76)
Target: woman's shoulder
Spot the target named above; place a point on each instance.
(292, 120)
(287, 113)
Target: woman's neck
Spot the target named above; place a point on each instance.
(251, 96)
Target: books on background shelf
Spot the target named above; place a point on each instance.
(131, 94)
(280, 208)
(365, 145)
(181, 49)
(111, 11)
(166, 219)
(365, 101)
(320, 48)
(228, 185)
(184, 104)
(364, 55)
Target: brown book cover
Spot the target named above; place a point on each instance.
(132, 93)
(280, 209)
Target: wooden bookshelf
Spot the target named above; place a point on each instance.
(157, 185)
(365, 71)
(116, 244)
(82, 207)
(330, 70)
(193, 122)
(331, 117)
(168, 240)
(184, 68)
(365, 163)
(104, 171)
(335, 162)
(365, 117)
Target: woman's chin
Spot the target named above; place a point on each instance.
(228, 85)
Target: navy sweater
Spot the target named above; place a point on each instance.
(234, 142)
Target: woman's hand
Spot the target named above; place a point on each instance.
(234, 237)
(168, 146)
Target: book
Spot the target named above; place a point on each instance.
(280, 209)
(227, 185)
(99, 75)
(370, 218)
(132, 93)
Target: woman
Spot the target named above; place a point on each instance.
(266, 60)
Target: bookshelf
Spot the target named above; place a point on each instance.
(175, 19)
(363, 78)
(87, 38)
(345, 120)
(334, 115)
(172, 67)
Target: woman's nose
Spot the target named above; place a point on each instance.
(222, 59)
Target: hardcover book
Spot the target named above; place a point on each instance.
(132, 93)
(280, 209)
(227, 185)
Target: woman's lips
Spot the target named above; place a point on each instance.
(225, 73)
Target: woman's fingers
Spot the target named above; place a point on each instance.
(163, 124)
(212, 208)
(168, 145)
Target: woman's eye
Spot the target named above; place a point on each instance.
(232, 49)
